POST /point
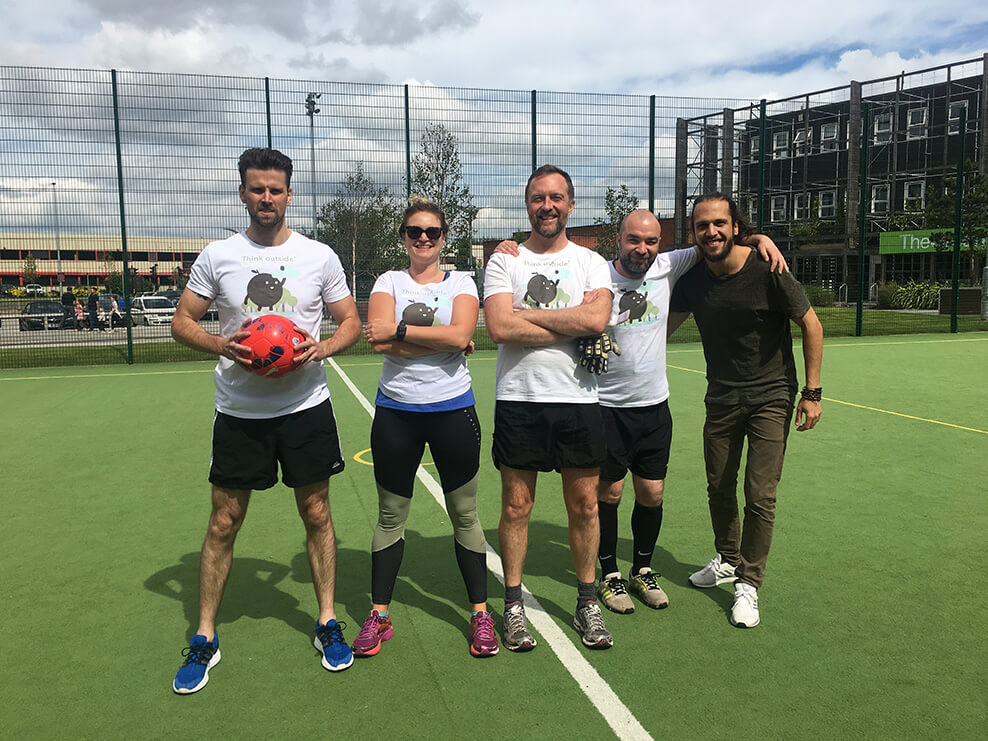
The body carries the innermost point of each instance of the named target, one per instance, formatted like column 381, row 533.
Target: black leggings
column 398, row 440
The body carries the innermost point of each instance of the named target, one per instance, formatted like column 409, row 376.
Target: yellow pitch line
column 907, row 416
column 873, row 409
column 827, row 344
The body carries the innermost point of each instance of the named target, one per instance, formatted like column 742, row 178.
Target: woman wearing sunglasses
column 422, row 320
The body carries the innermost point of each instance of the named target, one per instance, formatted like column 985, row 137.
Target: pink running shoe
column 374, row 630
column 483, row 639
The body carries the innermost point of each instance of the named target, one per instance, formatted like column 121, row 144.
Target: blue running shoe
column 200, row 657
column 336, row 655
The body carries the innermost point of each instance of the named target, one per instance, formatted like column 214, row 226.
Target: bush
column 915, row 295
column 885, row 293
column 818, row 295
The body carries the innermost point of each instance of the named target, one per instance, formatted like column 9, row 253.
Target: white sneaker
column 714, row 573
column 744, row 614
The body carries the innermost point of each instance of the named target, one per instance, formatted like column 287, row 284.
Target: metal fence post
column 859, row 309
column 762, row 137
column 267, row 108
column 535, row 160
column 123, row 218
column 651, row 154
column 408, row 150
column 955, row 278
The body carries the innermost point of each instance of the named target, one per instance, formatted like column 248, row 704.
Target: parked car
column 149, row 310
column 172, row 295
column 33, row 289
column 44, row 314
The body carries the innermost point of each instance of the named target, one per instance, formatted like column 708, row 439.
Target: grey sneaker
column 516, row 634
column 645, row 584
column 590, row 624
column 612, row 591
column 714, row 573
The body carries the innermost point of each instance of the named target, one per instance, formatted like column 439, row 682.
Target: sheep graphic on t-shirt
column 634, row 303
column 264, row 290
column 541, row 290
column 419, row 315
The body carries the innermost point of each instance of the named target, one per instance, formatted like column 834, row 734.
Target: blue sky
column 718, row 48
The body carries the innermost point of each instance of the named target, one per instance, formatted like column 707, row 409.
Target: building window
column 780, row 144
column 753, row 209
column 801, row 206
column 915, row 199
column 954, row 125
column 828, row 137
column 880, row 199
column 755, row 143
column 828, row 204
column 916, row 123
column 801, row 142
column 883, row 128
column 778, row 208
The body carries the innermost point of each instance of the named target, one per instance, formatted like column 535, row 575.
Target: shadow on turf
column 429, row 581
column 549, row 556
column 251, row 591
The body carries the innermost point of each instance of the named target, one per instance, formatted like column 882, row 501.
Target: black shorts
column 532, row 436
column 638, row 439
column 246, row 452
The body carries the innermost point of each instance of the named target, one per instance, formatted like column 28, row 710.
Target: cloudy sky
column 716, row 48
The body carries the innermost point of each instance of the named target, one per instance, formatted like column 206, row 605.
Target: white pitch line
column 608, row 704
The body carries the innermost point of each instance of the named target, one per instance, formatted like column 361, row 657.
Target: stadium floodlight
column 311, row 111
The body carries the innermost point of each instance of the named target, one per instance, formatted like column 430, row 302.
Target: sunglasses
column 432, row 232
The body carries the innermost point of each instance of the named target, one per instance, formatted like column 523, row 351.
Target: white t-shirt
column 246, row 279
column 639, row 316
column 555, row 280
column 430, row 378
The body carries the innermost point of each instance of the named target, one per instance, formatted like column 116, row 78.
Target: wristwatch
column 400, row 330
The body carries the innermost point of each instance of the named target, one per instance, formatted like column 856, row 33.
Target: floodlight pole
column 311, row 111
column 58, row 241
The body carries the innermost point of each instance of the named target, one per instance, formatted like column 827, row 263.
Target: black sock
column 608, row 515
column 584, row 593
column 645, row 525
column 512, row 595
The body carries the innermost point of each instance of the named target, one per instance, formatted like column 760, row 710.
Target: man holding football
column 261, row 423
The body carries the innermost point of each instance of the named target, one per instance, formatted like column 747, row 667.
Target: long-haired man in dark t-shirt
column 743, row 310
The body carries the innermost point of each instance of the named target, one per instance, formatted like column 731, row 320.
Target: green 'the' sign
column 916, row 242
column 908, row 243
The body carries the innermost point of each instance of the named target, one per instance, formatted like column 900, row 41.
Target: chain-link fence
column 117, row 180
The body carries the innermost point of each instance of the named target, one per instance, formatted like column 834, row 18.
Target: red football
column 272, row 342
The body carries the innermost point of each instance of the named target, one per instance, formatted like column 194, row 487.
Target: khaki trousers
column 766, row 428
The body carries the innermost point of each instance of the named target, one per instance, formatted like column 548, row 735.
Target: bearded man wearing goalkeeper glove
column 630, row 358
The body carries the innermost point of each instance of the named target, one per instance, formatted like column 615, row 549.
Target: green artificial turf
column 872, row 619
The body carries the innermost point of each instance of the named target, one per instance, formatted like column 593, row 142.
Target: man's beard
column 635, row 268
column 549, row 232
column 728, row 246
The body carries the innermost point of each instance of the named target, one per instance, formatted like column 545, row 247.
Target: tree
column 618, row 203
column 30, row 270
column 941, row 213
column 361, row 223
column 437, row 175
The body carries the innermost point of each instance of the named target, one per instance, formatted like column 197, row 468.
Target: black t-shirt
column 92, row 302
column 743, row 320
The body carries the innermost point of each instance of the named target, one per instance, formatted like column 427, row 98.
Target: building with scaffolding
column 798, row 167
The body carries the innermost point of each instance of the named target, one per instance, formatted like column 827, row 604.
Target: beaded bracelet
column 811, row 394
